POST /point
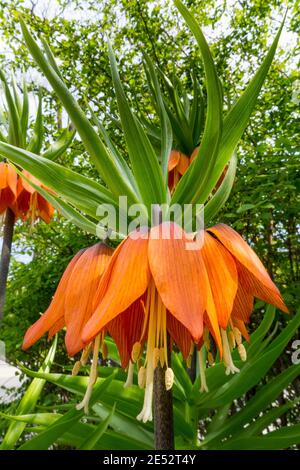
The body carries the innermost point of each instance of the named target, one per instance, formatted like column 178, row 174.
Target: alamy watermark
column 137, row 220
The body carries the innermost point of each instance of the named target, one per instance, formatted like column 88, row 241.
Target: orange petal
column 243, row 303
column 7, row 199
column 55, row 310
column 125, row 280
column 3, row 175
column 126, row 330
column 211, row 320
column 173, row 159
column 26, row 186
column 257, row 289
column 241, row 326
column 46, row 210
column 222, row 276
column 180, row 335
column 179, row 275
column 80, row 292
column 12, row 179
column 183, row 164
column 194, row 154
column 59, row 325
column 246, row 256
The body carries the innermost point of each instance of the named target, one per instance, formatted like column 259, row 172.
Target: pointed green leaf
column 28, row 401
column 235, row 122
column 15, row 135
column 58, row 148
column 96, row 435
column 262, row 399
column 220, row 197
column 166, row 130
column 44, row 440
column 193, row 183
column 25, row 112
column 103, row 160
column 143, row 158
column 36, row 142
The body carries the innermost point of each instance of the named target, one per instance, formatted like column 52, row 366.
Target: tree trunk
column 163, row 409
column 8, row 232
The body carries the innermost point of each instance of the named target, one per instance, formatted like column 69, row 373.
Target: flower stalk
column 8, row 232
column 163, row 408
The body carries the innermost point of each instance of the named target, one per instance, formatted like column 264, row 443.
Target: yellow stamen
column 157, row 357
column 237, row 335
column 93, row 377
column 202, row 366
column 206, row 339
column 161, row 357
column 142, row 377
column 210, row 358
column 230, row 367
column 169, row 378
column 83, row 360
column 231, row 339
column 242, row 352
column 76, row 368
column 136, row 351
column 129, row 380
column 157, row 349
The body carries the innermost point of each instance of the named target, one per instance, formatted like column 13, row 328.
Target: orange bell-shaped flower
column 30, row 204
column 8, row 187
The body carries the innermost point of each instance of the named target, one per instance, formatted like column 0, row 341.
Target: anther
column 242, row 352
column 169, row 378
column 136, row 351
column 142, row 377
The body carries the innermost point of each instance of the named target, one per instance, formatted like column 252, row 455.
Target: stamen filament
column 202, row 366
column 92, row 378
column 129, row 380
column 230, row 367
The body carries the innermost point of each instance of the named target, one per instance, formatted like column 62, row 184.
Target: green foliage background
column 263, row 206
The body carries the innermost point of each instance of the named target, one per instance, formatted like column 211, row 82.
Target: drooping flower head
column 188, row 294
column 19, row 196
column 30, row 204
column 72, row 304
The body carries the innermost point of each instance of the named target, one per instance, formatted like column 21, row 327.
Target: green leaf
column 276, row 440
column 166, row 129
column 28, row 401
column 235, row 122
column 196, row 117
column 44, row 440
column 106, row 165
column 39, row 419
column 25, row 112
column 217, row 201
column 268, row 418
column 70, row 213
column 262, row 399
column 193, row 183
column 244, row 208
column 82, row 192
column 15, row 134
column 58, row 148
column 36, row 142
column 143, row 158
column 127, row 425
column 253, row 369
column 91, row 440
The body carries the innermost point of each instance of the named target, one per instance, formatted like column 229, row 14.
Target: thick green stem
column 163, row 409
column 8, row 232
